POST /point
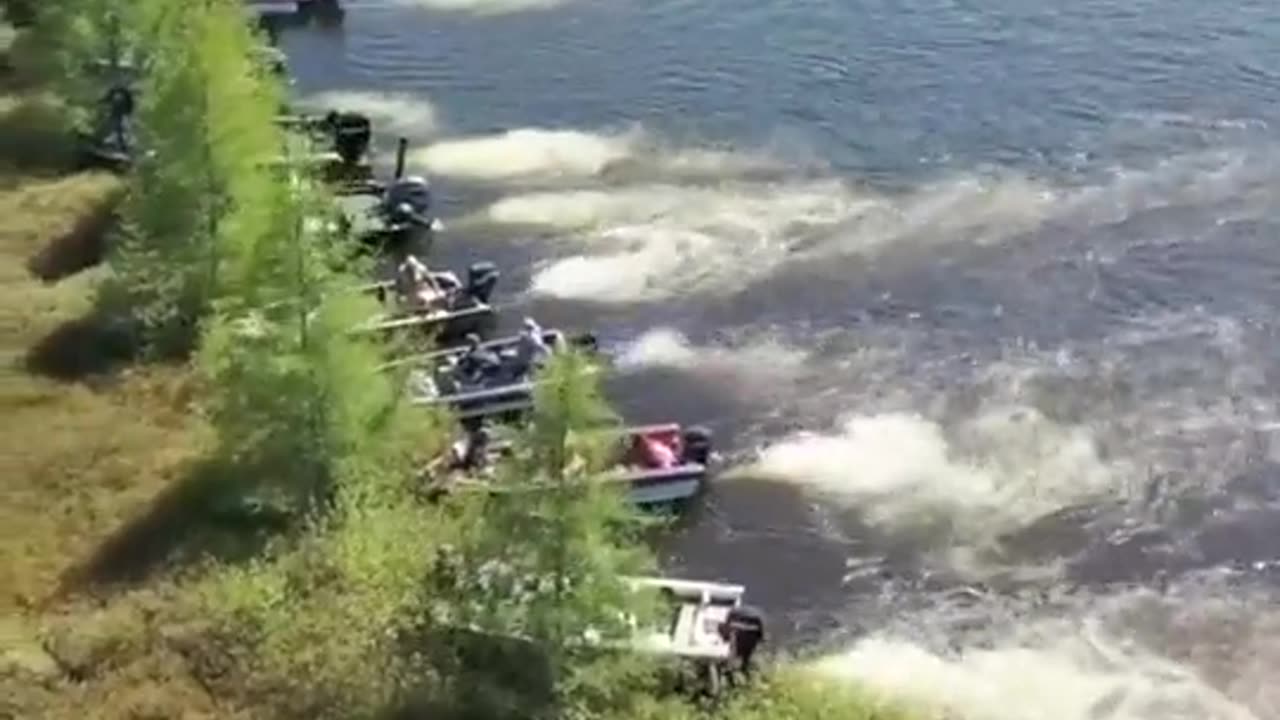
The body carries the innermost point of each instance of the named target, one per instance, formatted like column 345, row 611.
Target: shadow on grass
column 35, row 134
column 81, row 247
column 83, row 348
column 202, row 516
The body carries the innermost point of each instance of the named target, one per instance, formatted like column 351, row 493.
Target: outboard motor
column 413, row 192
column 352, row 134
column 482, row 278
column 119, row 101
column 697, row 445
column 586, row 342
column 745, row 629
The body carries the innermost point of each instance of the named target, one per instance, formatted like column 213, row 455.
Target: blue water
column 885, row 90
column 1044, row 232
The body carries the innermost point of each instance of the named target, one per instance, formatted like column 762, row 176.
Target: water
column 978, row 297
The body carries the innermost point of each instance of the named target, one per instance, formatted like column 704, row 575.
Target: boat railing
column 434, row 317
column 475, row 395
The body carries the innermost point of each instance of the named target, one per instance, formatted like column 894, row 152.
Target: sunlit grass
column 83, row 451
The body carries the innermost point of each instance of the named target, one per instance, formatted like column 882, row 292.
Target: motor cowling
column 744, row 628
column 482, row 278
column 414, row 192
column 586, row 342
column 120, row 103
column 352, row 135
column 697, row 445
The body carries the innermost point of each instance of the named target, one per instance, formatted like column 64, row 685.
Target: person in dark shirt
column 477, row 363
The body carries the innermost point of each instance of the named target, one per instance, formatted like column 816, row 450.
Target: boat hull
column 666, row 487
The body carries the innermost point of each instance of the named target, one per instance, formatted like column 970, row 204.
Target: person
column 476, row 362
column 471, row 455
column 656, row 454
column 531, row 349
column 416, row 285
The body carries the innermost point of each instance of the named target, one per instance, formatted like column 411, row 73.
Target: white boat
column 699, row 611
column 275, row 7
column 278, row 8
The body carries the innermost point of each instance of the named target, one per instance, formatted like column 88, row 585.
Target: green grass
column 86, row 448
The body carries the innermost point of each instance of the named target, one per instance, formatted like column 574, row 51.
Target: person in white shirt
column 418, row 289
column 531, row 349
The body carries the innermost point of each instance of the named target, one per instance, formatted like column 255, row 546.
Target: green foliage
column 545, row 561
column 786, row 693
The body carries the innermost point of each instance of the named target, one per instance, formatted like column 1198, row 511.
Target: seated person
column 418, row 289
column 477, row 363
column 655, row 454
column 469, row 452
column 531, row 350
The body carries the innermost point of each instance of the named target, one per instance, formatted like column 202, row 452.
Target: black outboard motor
column 482, row 278
column 744, row 628
column 697, row 445
column 120, row 103
column 352, row 134
column 586, row 342
column 408, row 197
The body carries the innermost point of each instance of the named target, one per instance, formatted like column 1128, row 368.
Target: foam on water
column 754, row 360
column 993, row 474
column 535, row 155
column 402, row 114
column 1204, row 647
column 747, row 229
column 717, row 235
column 524, row 153
column 486, row 7
column 1080, row 676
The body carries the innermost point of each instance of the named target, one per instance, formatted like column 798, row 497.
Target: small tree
column 545, row 558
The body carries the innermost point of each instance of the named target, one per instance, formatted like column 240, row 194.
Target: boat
column 501, row 390
column 345, row 163
column 648, row 483
column 695, row 611
column 392, row 215
column 505, row 345
column 463, row 309
column 110, row 145
column 701, row 624
column 706, row 624
column 286, row 9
